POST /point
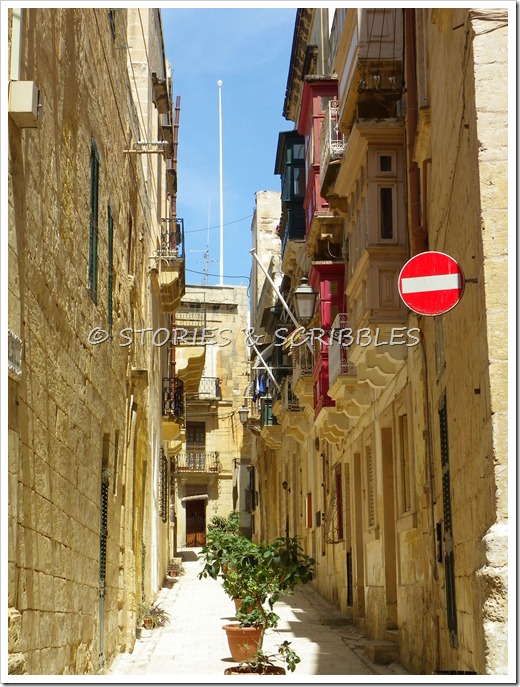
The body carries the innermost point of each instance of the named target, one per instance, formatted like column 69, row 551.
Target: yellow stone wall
column 72, row 406
column 399, row 584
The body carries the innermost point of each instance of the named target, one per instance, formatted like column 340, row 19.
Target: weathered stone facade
column 84, row 415
column 211, row 456
column 399, row 487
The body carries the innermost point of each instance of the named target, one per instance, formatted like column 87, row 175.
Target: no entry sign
column 431, row 283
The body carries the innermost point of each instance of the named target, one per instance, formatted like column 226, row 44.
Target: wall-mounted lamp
column 305, row 300
column 243, row 414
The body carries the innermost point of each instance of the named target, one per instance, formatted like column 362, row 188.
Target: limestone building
column 388, row 456
column 210, row 457
column 95, row 254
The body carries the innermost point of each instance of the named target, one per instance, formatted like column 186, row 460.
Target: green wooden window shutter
column 93, row 235
column 110, row 250
column 449, row 559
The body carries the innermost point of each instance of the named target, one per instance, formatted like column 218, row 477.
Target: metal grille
column 103, row 533
column 350, row 579
column 110, row 250
column 371, row 487
column 449, row 559
column 173, row 396
column 163, row 487
column 93, row 236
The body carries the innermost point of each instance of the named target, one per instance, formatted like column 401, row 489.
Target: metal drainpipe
column 419, row 236
column 16, row 45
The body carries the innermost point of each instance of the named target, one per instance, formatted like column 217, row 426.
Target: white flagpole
column 219, row 83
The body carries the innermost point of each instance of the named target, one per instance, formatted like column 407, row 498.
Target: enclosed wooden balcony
column 369, row 64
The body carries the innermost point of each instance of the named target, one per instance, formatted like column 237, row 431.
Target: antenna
column 205, row 257
column 219, row 84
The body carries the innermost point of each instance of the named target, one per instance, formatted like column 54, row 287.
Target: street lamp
column 243, row 414
column 305, row 300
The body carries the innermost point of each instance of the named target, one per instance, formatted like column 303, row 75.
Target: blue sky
column 249, row 50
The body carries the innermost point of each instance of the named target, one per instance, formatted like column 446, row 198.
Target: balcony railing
column 198, row 461
column 289, row 399
column 332, row 141
column 209, row 390
column 173, row 397
column 303, row 362
column 171, row 252
column 339, row 363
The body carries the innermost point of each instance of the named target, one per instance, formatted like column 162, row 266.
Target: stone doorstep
column 382, row 652
column 334, row 619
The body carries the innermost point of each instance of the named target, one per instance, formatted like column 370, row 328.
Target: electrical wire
column 226, row 276
column 217, row 226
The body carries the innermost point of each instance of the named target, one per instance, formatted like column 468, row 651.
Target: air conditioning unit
column 24, row 104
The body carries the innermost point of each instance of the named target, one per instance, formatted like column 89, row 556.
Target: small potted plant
column 263, row 664
column 257, row 574
column 153, row 616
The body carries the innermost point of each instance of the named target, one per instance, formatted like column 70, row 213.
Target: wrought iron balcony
column 332, row 144
column 171, row 252
column 209, row 390
column 288, row 398
column 339, row 364
column 303, row 362
column 173, row 398
column 198, row 461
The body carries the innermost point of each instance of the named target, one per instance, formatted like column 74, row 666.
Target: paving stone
column 194, row 644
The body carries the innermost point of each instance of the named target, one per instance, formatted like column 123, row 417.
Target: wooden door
column 196, row 522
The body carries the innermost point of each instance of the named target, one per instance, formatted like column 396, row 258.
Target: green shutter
column 449, row 558
column 110, row 269
column 93, row 235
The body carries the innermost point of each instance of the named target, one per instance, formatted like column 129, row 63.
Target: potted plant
column 257, row 574
column 263, row 664
column 153, row 616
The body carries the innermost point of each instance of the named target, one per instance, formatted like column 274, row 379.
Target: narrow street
column 195, row 645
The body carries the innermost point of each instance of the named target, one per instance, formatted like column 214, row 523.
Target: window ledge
column 407, row 522
column 372, row 534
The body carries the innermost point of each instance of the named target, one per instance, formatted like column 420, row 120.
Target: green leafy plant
column 261, row 660
column 158, row 615
column 256, row 573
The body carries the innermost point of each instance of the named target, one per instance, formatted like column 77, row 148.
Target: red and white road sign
column 431, row 283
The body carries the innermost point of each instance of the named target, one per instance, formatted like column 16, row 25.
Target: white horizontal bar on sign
column 434, row 282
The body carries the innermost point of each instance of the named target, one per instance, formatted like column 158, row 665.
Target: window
column 309, row 511
column 195, row 445
column 386, row 224
column 299, row 181
column 298, row 151
column 93, row 236
column 404, row 457
column 385, row 163
column 110, row 251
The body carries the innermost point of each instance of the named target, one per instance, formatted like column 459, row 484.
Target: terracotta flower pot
column 243, row 641
column 147, row 623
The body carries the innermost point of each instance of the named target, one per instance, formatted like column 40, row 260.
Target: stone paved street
column 195, row 646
